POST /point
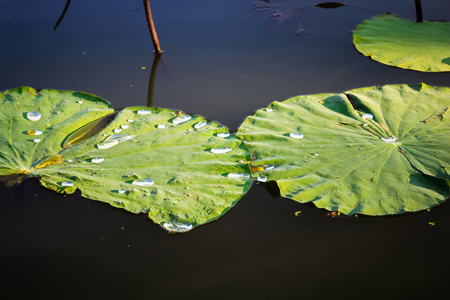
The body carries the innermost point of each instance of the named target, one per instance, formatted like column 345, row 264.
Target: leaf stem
column 419, row 17
column 151, row 26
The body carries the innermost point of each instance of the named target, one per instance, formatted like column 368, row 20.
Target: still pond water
column 223, row 60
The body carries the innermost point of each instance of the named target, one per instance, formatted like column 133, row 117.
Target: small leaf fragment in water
column 34, row 132
column 33, row 116
column 143, row 182
column 432, row 223
column 239, row 175
column 219, row 150
column 178, row 226
column 330, row 4
column 297, row 213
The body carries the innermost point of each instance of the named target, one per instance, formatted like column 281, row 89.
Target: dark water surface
column 223, row 60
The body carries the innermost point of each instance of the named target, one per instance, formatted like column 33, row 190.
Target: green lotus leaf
column 375, row 151
column 182, row 170
column 420, row 46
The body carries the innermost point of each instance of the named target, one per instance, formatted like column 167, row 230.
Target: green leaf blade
column 353, row 160
column 420, row 46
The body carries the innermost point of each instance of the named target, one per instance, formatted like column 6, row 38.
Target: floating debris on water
column 389, row 139
column 223, row 134
column 178, row 226
column 181, row 119
column 367, row 116
column 97, row 160
column 200, row 125
column 34, row 132
column 33, row 116
column 219, row 150
column 144, row 112
column 67, row 183
column 114, row 140
column 296, row 135
column 143, row 182
column 239, row 175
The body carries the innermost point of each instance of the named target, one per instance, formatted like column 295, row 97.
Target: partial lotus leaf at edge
column 375, row 151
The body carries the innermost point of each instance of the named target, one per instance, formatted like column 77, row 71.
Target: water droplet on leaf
column 33, row 116
column 178, row 226
column 97, row 160
column 36, row 140
column 223, row 134
column 67, row 183
column 114, row 140
column 389, row 139
column 181, row 119
column 117, row 130
column 160, row 126
column 200, row 125
column 143, row 182
column 144, row 112
column 122, row 191
column 261, row 178
column 367, row 116
column 296, row 135
column 219, row 150
column 34, row 132
column 124, row 126
column 239, row 175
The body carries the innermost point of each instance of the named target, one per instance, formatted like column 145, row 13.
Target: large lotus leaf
column 28, row 117
column 376, row 151
column 182, row 170
column 420, row 46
